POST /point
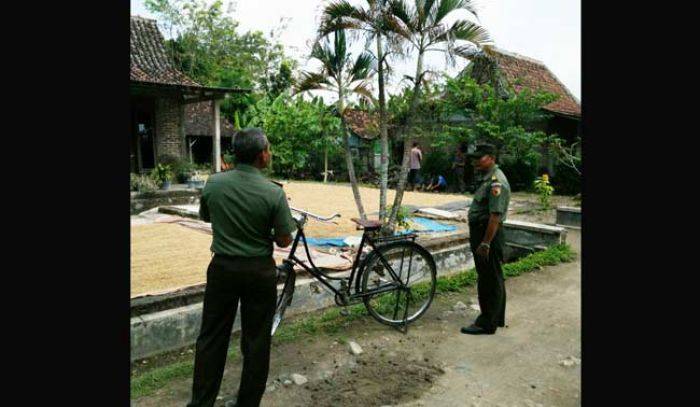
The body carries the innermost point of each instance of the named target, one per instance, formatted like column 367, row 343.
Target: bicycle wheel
column 286, row 275
column 415, row 267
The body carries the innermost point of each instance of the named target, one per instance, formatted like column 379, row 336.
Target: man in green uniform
column 247, row 212
column 486, row 216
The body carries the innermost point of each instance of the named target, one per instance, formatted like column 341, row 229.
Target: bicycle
column 392, row 295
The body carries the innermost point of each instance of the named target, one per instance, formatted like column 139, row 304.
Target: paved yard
column 168, row 256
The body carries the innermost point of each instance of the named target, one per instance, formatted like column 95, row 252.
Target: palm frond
column 399, row 10
column 312, row 81
column 460, row 30
column 445, row 7
column 324, row 54
column 364, row 90
column 340, row 49
column 361, row 68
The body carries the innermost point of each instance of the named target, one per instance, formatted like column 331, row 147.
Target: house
column 523, row 72
column 199, row 132
column 159, row 97
column 364, row 138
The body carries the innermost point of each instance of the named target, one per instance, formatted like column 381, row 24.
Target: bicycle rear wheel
column 415, row 267
column 286, row 275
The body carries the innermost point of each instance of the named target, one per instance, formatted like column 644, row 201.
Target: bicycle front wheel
column 286, row 275
column 399, row 303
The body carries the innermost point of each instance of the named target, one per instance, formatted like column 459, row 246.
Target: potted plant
column 163, row 175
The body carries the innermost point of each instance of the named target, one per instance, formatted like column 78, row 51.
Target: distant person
column 247, row 212
column 458, row 166
column 437, row 184
column 415, row 161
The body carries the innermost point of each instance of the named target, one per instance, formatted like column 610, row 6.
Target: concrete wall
column 169, row 126
column 172, row 329
column 568, row 216
column 143, row 202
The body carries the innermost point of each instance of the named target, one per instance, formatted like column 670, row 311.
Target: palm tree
column 421, row 25
column 340, row 74
column 375, row 23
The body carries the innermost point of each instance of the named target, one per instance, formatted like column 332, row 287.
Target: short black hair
column 415, row 144
column 248, row 144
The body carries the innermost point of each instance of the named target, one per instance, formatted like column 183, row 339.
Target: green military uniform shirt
column 492, row 195
column 244, row 207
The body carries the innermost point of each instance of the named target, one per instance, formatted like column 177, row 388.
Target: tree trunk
column 325, row 165
column 348, row 157
column 407, row 144
column 383, row 136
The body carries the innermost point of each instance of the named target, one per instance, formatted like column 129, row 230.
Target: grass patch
column 330, row 321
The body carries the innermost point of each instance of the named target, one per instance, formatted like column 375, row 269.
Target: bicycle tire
column 286, row 273
column 371, row 266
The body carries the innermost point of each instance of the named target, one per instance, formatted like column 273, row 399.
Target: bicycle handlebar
column 313, row 215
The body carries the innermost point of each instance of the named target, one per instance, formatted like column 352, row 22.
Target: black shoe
column 477, row 330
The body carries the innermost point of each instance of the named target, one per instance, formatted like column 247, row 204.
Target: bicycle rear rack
column 388, row 239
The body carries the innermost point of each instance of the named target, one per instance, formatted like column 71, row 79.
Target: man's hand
column 284, row 240
column 483, row 251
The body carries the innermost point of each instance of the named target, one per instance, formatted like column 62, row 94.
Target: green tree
column 343, row 76
column 295, row 128
column 422, row 26
column 206, row 45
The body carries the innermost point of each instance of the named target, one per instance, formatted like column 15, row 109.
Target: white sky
column 547, row 30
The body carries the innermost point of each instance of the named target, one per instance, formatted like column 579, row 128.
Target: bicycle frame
column 325, row 280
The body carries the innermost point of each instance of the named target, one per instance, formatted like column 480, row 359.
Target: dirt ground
column 169, row 256
column 534, row 361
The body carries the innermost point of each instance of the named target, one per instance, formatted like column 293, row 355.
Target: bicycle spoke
column 413, row 295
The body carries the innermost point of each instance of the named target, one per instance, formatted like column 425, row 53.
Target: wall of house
column 169, row 128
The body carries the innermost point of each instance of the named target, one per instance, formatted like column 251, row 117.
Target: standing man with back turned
column 415, row 161
column 486, row 216
column 247, row 212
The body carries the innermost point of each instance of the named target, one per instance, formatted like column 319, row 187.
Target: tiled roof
column 198, row 121
column 523, row 72
column 149, row 59
column 362, row 123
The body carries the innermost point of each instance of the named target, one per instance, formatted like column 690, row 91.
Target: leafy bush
column 143, row 183
column 401, row 216
column 521, row 172
column 183, row 170
column 544, row 190
column 435, row 163
column 566, row 180
column 162, row 173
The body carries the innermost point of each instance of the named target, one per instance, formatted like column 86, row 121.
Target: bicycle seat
column 368, row 224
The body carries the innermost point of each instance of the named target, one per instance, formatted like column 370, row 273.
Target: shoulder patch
column 496, row 189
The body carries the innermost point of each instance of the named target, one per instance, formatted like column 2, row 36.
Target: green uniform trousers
column 253, row 281
column 491, row 287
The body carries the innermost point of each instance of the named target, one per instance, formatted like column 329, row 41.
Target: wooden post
column 216, row 142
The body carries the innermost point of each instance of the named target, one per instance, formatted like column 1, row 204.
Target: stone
column 355, row 348
column 299, row 379
column 459, row 306
column 570, row 361
column 475, row 307
column 287, row 382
